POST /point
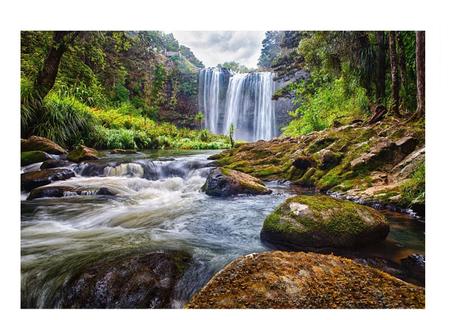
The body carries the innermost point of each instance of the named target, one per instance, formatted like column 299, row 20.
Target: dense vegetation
column 350, row 74
column 111, row 90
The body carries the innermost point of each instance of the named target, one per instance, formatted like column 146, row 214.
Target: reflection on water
column 63, row 235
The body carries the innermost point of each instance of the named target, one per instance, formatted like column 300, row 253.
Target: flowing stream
column 159, row 205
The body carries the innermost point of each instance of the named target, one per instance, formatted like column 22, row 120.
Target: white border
column 431, row 16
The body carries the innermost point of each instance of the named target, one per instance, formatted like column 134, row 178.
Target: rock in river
column 29, row 157
column 320, row 221
column 31, row 180
column 307, row 281
column 35, row 143
column 62, row 191
column 49, row 164
column 136, row 281
column 82, row 153
column 222, row 182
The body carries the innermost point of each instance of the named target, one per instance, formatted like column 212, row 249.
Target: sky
column 214, row 47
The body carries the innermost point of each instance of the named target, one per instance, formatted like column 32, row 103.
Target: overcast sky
column 214, row 47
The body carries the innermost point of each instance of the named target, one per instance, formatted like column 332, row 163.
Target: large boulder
column 63, row 191
column 321, row 221
column 136, row 281
column 35, row 143
column 223, row 182
column 29, row 157
column 304, row 281
column 82, row 153
column 31, row 180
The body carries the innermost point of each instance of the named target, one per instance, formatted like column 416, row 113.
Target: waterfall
column 243, row 100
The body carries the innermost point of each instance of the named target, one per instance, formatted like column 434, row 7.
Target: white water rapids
column 158, row 206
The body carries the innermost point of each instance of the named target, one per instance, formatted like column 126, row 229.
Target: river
column 159, row 205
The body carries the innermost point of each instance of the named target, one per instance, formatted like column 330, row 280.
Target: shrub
column 64, row 120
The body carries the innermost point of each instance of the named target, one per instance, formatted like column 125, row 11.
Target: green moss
column 335, row 218
column 344, row 219
column 320, row 144
column 413, row 189
column 29, row 157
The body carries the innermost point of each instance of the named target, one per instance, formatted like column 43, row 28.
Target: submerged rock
column 307, row 281
column 35, row 143
column 31, row 180
column 223, row 182
column 137, row 281
column 63, row 191
column 29, row 157
column 82, row 153
column 323, row 222
column 123, row 151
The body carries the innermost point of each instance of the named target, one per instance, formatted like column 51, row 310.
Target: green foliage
column 414, row 188
column 329, row 103
column 235, row 66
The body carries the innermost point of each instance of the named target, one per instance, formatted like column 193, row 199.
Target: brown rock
column 305, row 281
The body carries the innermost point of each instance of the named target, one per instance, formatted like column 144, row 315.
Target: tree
column 47, row 75
column 234, row 66
column 395, row 81
column 381, row 67
column 270, row 48
column 420, row 70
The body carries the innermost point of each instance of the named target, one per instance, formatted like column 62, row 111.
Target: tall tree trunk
column 47, row 76
column 420, row 71
column 395, row 85
column 401, row 60
column 381, row 67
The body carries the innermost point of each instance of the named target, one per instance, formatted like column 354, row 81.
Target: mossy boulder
column 29, row 157
column 304, row 281
column 36, row 143
column 83, row 153
column 223, row 182
column 142, row 280
column 31, row 180
column 323, row 222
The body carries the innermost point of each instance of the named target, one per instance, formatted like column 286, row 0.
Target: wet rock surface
column 144, row 280
column 31, row 180
column 65, row 191
column 50, row 164
column 29, row 157
column 36, row 143
column 414, row 266
column 83, row 153
column 226, row 182
column 304, row 280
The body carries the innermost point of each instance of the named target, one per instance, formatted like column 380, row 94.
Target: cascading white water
column 243, row 100
column 209, row 98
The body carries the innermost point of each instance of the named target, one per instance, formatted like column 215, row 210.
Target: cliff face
column 287, row 67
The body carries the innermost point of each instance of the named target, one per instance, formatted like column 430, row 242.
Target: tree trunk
column 401, row 60
column 395, row 85
column 420, row 71
column 47, row 76
column 381, row 67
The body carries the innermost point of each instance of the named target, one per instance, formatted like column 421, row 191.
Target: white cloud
column 214, row 47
